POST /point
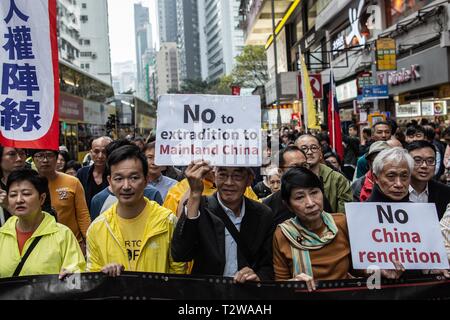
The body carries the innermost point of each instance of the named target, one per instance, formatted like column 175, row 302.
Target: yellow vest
column 105, row 243
column 57, row 249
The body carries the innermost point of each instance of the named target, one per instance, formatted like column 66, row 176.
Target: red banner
column 29, row 74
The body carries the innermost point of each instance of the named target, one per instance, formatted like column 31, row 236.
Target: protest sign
column 225, row 130
column 29, row 74
column 405, row 232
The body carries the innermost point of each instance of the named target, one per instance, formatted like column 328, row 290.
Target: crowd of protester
column 119, row 211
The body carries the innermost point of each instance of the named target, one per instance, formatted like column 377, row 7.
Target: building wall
column 224, row 39
column 141, row 22
column 167, row 20
column 95, row 57
column 167, row 67
column 188, row 39
column 69, row 26
column 124, row 76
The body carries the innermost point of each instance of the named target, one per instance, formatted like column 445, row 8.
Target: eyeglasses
column 302, row 165
column 15, row 154
column 48, row 155
column 418, row 135
column 429, row 161
column 314, row 148
column 222, row 176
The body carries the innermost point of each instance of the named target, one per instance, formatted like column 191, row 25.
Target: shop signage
column 346, row 114
column 70, row 107
column 338, row 44
column 347, row 91
column 375, row 92
column 316, row 86
column 405, row 75
column 354, row 15
column 361, row 21
column 386, row 54
column 235, row 90
column 364, row 79
column 407, row 110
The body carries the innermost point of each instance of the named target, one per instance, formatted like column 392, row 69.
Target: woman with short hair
column 314, row 245
column 52, row 247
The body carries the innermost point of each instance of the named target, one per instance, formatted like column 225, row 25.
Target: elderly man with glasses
column 422, row 186
column 336, row 186
column 66, row 193
column 226, row 234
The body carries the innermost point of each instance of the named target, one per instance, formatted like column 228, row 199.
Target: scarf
column 367, row 187
column 302, row 240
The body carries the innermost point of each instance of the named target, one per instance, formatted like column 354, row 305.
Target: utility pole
column 373, row 54
column 277, row 89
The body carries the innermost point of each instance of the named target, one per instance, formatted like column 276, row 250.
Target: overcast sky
column 121, row 28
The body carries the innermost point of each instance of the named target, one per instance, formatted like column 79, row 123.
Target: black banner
column 152, row 286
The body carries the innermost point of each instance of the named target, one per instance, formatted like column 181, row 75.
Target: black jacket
column 203, row 239
column 439, row 194
column 378, row 196
column 261, row 190
column 87, row 181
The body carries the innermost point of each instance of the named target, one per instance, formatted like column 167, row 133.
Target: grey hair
column 395, row 155
column 272, row 171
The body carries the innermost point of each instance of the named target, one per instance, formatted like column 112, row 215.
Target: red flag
column 334, row 122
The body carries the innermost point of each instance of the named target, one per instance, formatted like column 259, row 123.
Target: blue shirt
column 103, row 200
column 231, row 259
column 163, row 184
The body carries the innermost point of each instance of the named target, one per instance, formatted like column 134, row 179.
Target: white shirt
column 414, row 196
column 231, row 259
column 445, row 228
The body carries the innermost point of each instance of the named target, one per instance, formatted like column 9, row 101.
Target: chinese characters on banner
column 29, row 88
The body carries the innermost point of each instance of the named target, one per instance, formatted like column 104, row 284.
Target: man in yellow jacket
column 135, row 233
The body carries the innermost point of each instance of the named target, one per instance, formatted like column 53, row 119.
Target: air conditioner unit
column 94, row 56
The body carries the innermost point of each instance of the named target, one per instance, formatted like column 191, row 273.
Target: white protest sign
column 406, row 232
column 225, row 130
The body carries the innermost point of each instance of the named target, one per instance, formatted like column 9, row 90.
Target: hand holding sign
column 195, row 173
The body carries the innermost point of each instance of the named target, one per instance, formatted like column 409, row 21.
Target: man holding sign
column 391, row 228
column 225, row 234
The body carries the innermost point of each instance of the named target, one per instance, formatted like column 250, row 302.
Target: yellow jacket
column 177, row 192
column 57, row 249
column 105, row 243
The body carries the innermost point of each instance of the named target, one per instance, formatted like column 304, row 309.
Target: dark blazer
column 87, row 181
column 439, row 194
column 203, row 239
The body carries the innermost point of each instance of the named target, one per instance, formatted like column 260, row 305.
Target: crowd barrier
column 152, row 286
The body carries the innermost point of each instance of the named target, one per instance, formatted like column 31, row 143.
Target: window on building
column 84, row 18
column 84, row 5
column 87, row 65
column 87, row 42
